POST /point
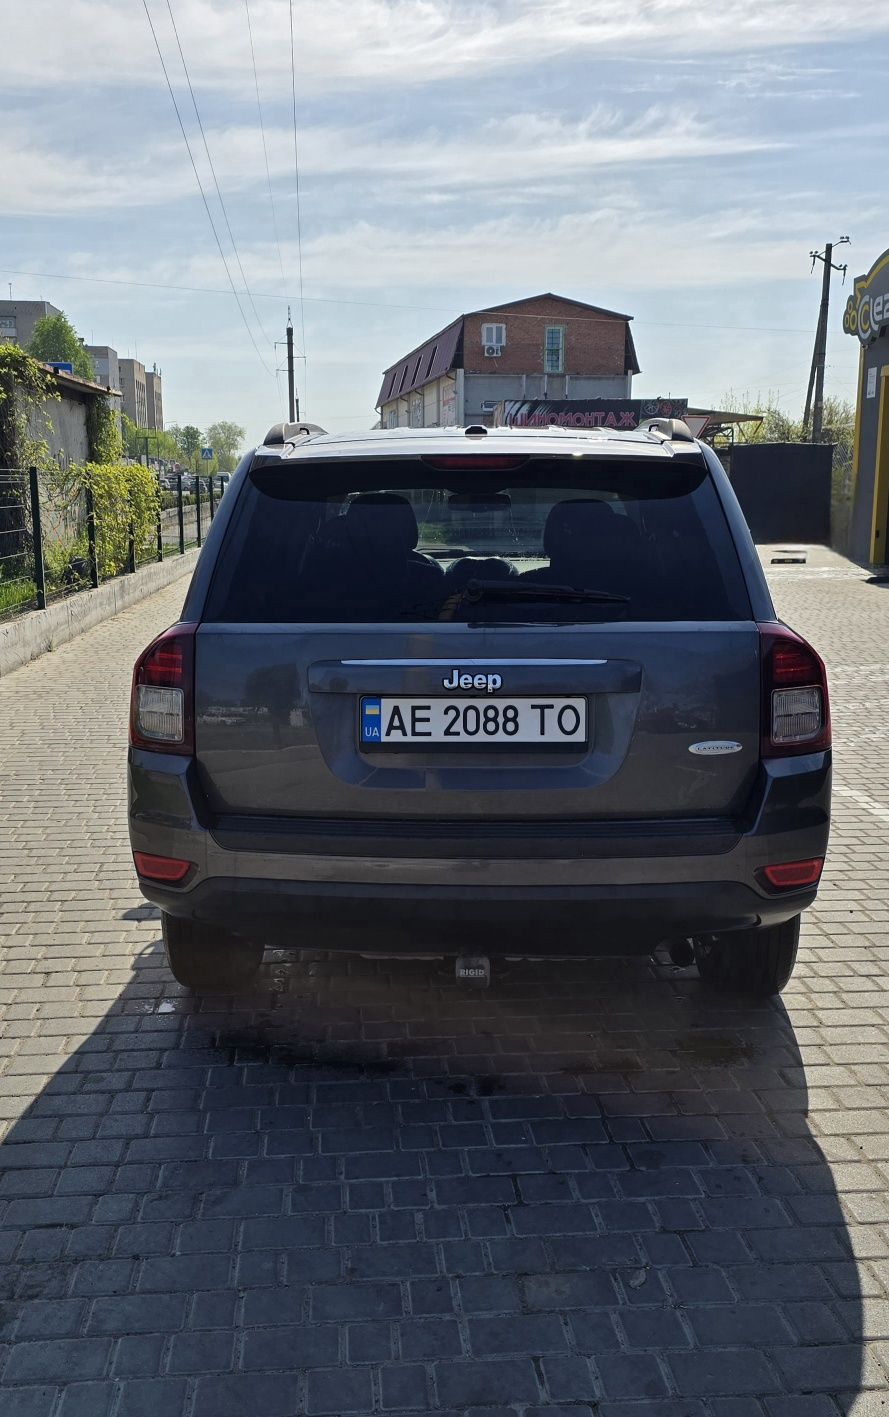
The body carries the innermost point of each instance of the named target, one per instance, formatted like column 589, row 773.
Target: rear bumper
column 540, row 919
column 595, row 894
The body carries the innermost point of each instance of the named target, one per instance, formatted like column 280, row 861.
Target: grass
column 16, row 595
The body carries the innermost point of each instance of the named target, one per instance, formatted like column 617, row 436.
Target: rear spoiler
column 281, row 433
column 670, row 430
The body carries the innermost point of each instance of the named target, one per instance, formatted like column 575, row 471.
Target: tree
column 149, row 442
column 777, row 426
column 225, row 439
column 189, row 439
column 55, row 338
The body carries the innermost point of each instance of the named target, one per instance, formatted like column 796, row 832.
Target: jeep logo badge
column 490, row 683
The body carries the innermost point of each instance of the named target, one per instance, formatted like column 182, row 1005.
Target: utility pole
column 292, row 402
column 815, row 408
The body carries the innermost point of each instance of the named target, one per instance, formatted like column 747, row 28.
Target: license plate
column 413, row 723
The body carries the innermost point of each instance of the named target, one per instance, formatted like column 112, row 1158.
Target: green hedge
column 124, row 495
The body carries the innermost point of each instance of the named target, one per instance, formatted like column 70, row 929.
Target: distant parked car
column 481, row 691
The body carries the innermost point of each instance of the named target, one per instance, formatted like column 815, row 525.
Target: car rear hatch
column 477, row 640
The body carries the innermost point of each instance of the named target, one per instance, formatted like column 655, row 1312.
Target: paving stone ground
column 593, row 1189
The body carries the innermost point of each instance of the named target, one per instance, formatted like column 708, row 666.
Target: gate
column 784, row 489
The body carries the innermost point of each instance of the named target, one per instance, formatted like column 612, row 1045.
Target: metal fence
column 842, row 488
column 49, row 542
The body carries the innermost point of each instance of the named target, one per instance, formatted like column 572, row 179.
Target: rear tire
column 758, row 962
column 208, row 958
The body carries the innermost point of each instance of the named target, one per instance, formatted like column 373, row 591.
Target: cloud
column 353, row 44
column 623, row 241
column 760, row 77
column 529, row 153
column 39, row 180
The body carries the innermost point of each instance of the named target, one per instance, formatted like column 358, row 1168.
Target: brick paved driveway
column 366, row 1190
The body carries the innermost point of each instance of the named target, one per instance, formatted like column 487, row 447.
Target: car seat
column 590, row 545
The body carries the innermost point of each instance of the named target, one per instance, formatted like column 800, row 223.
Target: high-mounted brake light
column 162, row 702
column 476, row 462
column 795, row 703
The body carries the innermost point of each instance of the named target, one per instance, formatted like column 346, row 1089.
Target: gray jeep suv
column 480, row 691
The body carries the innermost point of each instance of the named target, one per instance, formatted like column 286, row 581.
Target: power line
column 228, row 227
column 202, row 192
column 299, row 235
column 395, row 305
column 265, row 151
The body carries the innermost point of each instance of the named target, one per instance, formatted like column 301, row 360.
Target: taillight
column 162, row 703
column 795, row 704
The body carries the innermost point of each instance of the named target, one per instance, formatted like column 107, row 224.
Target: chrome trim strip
column 457, row 660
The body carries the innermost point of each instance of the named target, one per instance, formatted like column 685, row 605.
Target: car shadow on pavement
column 591, row 1188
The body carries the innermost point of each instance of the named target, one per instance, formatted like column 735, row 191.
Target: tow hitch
column 474, row 969
column 682, row 953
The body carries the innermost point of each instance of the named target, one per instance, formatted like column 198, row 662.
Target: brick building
column 544, row 347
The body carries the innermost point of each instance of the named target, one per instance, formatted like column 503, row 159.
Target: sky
column 674, row 160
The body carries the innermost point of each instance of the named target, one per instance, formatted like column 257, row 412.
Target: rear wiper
column 477, row 591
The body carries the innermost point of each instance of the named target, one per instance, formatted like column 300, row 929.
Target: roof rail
column 672, row 430
column 287, row 432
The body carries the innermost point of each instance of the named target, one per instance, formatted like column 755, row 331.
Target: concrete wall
column 62, row 422
column 492, row 388
column 39, row 631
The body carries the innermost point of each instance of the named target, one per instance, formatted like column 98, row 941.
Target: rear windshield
column 552, row 541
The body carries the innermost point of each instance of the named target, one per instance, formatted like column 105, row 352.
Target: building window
column 431, row 361
column 554, row 350
column 494, row 334
column 392, row 418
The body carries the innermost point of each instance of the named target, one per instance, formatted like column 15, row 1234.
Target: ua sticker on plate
column 371, row 713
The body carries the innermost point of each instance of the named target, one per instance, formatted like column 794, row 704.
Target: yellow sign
column 867, row 309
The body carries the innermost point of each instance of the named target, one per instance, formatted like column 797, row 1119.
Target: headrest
column 575, row 530
column 381, row 523
column 482, row 568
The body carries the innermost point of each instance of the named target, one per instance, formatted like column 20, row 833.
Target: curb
column 38, row 631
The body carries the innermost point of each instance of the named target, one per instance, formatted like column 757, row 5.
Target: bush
column 125, row 495
column 66, row 564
